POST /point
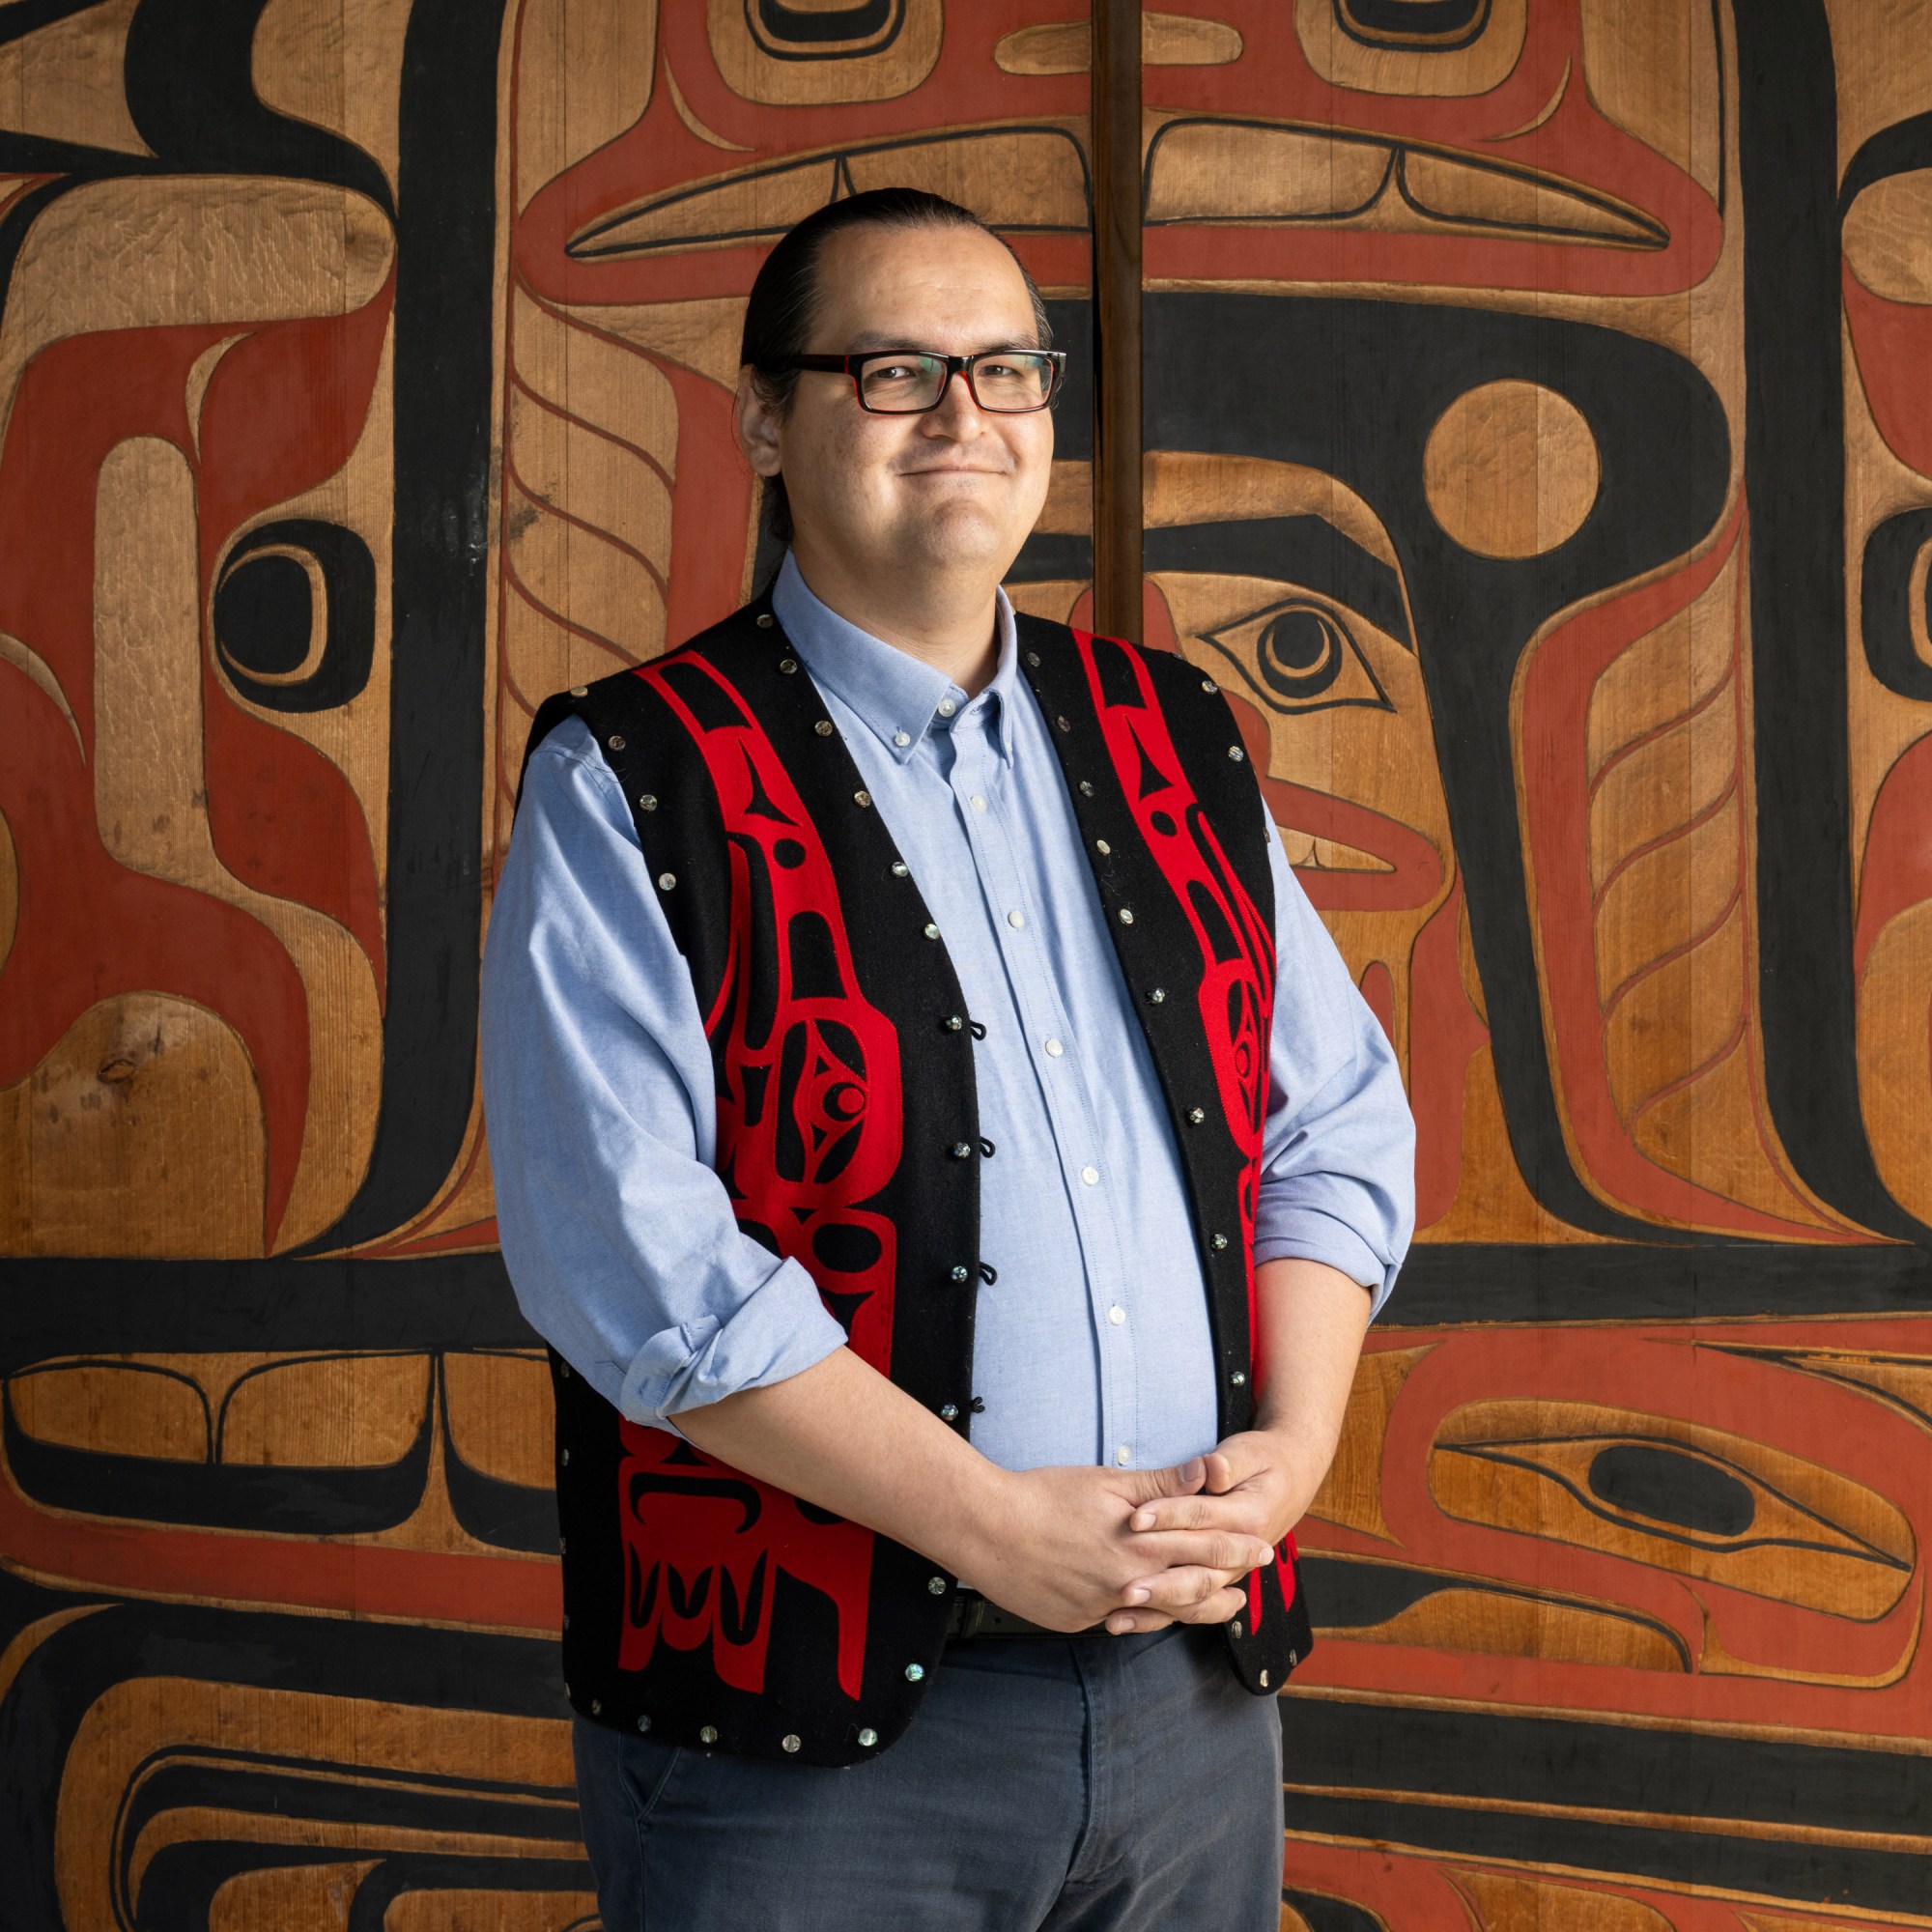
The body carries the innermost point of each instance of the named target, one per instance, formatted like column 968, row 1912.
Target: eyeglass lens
column 1001, row 382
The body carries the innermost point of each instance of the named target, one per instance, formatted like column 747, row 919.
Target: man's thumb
column 1182, row 1480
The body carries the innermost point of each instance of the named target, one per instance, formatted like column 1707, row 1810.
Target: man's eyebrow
column 872, row 338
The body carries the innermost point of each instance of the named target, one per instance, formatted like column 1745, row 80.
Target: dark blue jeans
column 1097, row 1785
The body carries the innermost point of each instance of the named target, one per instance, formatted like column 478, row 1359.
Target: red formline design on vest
column 1236, row 997
column 799, row 1146
column 1237, row 961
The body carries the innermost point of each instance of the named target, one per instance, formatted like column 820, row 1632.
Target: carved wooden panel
column 365, row 373
column 1531, row 454
column 1537, row 448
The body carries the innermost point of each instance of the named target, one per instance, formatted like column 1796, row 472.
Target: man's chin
column 955, row 536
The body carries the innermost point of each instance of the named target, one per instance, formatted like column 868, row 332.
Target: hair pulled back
column 784, row 301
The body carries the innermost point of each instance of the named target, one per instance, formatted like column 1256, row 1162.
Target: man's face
column 954, row 486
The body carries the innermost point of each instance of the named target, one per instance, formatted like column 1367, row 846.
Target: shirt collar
column 895, row 694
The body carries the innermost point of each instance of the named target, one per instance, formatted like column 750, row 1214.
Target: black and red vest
column 709, row 1609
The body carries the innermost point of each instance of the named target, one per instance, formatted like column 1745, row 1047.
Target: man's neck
column 946, row 623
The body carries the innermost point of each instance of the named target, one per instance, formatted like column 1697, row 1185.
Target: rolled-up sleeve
column 598, row 1091
column 1338, row 1144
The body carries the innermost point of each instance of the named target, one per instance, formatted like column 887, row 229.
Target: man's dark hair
column 783, row 306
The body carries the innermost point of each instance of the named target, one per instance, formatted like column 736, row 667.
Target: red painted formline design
column 286, row 1573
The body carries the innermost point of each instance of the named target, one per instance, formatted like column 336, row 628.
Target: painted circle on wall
column 1511, row 469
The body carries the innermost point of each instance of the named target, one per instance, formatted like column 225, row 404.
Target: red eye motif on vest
column 799, row 1147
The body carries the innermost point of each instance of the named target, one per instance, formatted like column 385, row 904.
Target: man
column 954, row 1170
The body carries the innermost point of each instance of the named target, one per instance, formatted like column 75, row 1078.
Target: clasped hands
column 1142, row 1548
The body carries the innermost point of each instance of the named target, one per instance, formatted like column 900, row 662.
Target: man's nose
column 956, row 413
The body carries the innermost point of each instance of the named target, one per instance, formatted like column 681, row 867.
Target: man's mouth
column 952, row 469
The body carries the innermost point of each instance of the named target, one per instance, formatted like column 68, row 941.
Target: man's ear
column 755, row 426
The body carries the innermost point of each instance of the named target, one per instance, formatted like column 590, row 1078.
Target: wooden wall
column 1537, row 445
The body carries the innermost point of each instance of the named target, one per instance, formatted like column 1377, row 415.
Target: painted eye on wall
column 294, row 615
column 1680, row 1495
column 1299, row 655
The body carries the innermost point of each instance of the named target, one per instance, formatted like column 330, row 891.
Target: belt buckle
column 969, row 1614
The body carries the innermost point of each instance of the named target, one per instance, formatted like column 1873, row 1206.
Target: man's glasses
column 908, row 381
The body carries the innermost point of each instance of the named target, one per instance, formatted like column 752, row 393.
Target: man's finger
column 1244, row 1514
column 1185, row 1583
column 1131, row 1622
column 1179, row 1512
column 1218, row 1609
column 1179, row 1589
column 1238, row 1552
column 1208, row 1598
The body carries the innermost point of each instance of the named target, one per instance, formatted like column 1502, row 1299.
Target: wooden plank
column 1117, row 305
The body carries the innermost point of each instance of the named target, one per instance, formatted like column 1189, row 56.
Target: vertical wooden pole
column 1116, row 317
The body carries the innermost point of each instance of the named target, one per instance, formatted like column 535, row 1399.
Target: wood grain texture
column 1518, row 407
column 64, row 80
column 1118, row 435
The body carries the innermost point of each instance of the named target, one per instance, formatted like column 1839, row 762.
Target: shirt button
column 947, row 707
column 1124, row 1455
column 979, row 803
column 902, row 738
column 1053, row 1047
column 1090, row 1176
column 1116, row 1315
column 1016, row 919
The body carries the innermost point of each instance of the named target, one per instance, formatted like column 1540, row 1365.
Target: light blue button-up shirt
column 1092, row 1346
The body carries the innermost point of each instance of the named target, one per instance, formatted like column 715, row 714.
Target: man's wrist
column 976, row 1527
column 1292, row 1434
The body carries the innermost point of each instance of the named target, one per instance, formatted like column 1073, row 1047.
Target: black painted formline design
column 265, row 615
column 580, row 246
column 1647, row 231
column 1795, row 485
column 1655, row 1526
column 1892, row 650
column 1323, row 1913
column 1444, row 1284
column 853, row 32
column 445, row 255
column 191, row 97
column 190, row 94
column 1307, row 551
column 1478, row 1783
column 1352, row 388
column 1423, row 26
column 1900, row 149
column 59, row 1307
column 64, row 1676
column 1355, row 1593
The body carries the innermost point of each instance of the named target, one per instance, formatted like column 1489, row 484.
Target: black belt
column 974, row 1615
